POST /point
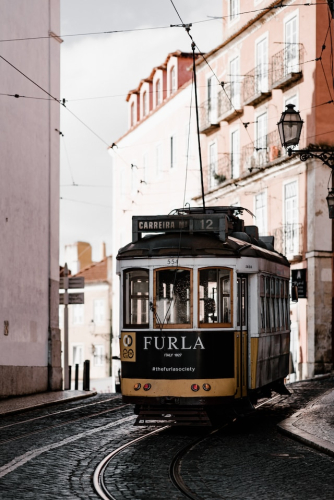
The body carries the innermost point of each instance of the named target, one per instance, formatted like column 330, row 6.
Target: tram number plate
column 206, row 224
column 172, row 262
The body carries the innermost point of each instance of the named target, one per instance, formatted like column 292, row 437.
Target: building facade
column 268, row 59
column 30, row 350
column 89, row 324
column 155, row 164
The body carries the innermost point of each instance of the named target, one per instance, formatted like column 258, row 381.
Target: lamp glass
column 330, row 203
column 290, row 126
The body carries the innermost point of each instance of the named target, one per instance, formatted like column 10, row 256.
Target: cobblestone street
column 52, row 453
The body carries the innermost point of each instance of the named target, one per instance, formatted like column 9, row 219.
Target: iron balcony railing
column 229, row 100
column 262, row 151
column 289, row 239
column 226, row 168
column 287, row 64
column 208, row 115
column 256, row 83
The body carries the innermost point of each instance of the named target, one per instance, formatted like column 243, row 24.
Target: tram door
column 241, row 337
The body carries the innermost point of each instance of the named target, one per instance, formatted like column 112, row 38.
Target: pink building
column 155, row 164
column 268, row 59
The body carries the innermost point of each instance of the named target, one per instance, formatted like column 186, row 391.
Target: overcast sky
column 97, row 71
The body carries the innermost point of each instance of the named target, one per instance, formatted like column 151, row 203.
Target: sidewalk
column 314, row 425
column 25, row 403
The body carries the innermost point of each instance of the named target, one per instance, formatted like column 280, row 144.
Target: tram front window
column 136, row 298
column 172, row 297
column 215, row 297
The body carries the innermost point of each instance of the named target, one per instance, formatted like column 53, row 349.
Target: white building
column 155, row 164
column 29, row 199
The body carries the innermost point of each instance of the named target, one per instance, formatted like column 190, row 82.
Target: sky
column 97, row 71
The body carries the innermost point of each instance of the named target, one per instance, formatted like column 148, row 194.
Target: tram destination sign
column 199, row 223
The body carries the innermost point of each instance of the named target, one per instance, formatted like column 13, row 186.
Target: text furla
column 178, row 343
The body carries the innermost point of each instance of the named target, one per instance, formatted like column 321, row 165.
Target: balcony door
column 291, row 47
column 291, row 227
column 211, row 100
column 261, row 76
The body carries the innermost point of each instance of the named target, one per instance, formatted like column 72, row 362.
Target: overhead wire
column 62, row 103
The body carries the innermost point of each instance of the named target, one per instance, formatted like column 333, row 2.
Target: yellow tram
column 205, row 316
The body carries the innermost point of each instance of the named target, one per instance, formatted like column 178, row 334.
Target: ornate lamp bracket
column 326, row 156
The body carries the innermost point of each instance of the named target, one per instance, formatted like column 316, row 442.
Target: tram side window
column 215, row 307
column 172, row 297
column 136, row 285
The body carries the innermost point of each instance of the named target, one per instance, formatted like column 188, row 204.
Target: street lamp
column 290, row 126
column 330, row 203
column 289, row 129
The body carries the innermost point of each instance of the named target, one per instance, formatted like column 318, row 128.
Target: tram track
column 62, row 424
column 175, row 464
column 57, row 413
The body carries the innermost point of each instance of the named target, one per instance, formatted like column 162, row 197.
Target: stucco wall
column 29, row 199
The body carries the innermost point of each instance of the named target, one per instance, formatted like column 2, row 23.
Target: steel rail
column 110, row 410
column 174, row 468
column 54, row 413
column 98, row 478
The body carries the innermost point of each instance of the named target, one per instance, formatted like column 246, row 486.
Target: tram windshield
column 215, row 297
column 136, row 298
column 172, row 297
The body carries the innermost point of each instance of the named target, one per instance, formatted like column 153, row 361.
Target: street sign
column 298, row 279
column 71, row 298
column 75, row 282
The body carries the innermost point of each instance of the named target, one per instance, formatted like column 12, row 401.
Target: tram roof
column 237, row 244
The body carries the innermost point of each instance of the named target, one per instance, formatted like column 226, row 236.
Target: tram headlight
column 207, row 387
column 147, row 387
column 137, row 386
column 195, row 387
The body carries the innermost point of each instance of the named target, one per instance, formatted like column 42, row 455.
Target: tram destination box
column 197, row 223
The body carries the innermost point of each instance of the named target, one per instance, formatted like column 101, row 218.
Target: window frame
column 191, row 298
column 134, row 325
column 216, row 325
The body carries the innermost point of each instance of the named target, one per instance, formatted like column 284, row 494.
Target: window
column 158, row 158
column 98, row 355
column 212, row 165
column 274, row 311
column 211, row 101
column 234, row 10
column 172, row 82
column 172, row 298
column 132, row 114
column 77, row 355
column 158, row 92
column 144, row 103
column 136, row 286
column 172, row 152
column 235, row 86
column 78, row 314
column 261, row 139
column 99, row 311
column 261, row 213
column 145, row 167
column 261, row 66
column 215, row 297
column 291, row 51
column 291, row 228
column 235, row 155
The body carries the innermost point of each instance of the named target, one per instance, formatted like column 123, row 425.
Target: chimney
column 103, row 251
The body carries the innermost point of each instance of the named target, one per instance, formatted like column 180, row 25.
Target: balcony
column 287, row 66
column 222, row 170
column 255, row 86
column 289, row 241
column 262, row 151
column 229, row 102
column 208, row 120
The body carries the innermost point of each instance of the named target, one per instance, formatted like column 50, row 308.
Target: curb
column 48, row 403
column 290, row 429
